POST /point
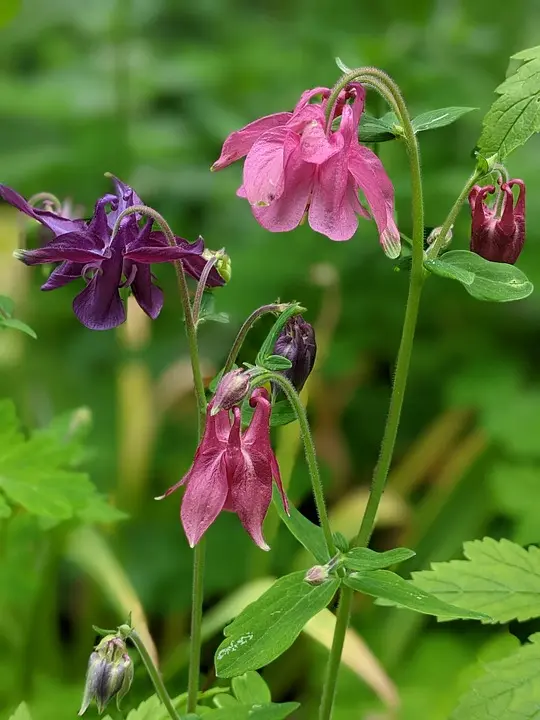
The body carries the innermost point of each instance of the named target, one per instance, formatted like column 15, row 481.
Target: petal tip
column 391, row 245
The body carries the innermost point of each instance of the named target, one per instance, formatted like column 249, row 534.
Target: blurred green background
column 148, row 90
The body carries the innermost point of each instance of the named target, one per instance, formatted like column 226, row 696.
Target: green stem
column 246, row 327
column 196, row 623
column 201, row 287
column 391, row 92
column 154, row 674
column 435, row 249
column 309, row 449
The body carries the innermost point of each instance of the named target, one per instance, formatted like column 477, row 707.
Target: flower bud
column 498, row 231
column 109, row 673
column 232, row 389
column 297, row 343
column 317, row 575
column 223, row 262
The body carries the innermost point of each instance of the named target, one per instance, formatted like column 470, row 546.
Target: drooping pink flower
column 294, row 165
column 232, row 470
column 498, row 234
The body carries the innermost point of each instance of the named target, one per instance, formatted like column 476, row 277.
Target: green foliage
column 362, row 559
column 393, row 589
column 515, row 114
column 277, row 362
column 439, row 118
column 307, row 533
column 498, row 578
column 34, row 474
column 282, row 413
column 270, row 625
column 251, row 689
column 484, row 280
column 268, row 711
column 21, row 713
column 509, row 688
column 376, row 130
column 515, row 492
column 6, row 312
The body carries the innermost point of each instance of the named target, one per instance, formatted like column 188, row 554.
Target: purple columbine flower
column 498, row 234
column 87, row 249
column 232, row 470
column 297, row 343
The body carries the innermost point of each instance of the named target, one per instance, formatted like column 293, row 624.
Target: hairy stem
column 154, row 674
column 452, row 215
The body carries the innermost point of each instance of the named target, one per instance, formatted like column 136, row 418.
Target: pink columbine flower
column 296, row 164
column 498, row 235
column 232, row 470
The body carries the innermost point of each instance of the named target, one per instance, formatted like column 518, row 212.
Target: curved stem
column 452, row 215
column 246, row 327
column 46, row 198
column 154, row 674
column 201, row 286
column 309, row 449
column 387, row 87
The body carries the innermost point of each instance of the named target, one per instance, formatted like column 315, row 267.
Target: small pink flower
column 498, row 235
column 295, row 165
column 232, row 470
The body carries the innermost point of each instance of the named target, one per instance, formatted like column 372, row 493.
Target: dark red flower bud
column 498, row 231
column 232, row 389
column 297, row 343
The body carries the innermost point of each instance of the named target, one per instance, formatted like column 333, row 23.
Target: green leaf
column 21, row 713
column 5, row 510
column 397, row 591
column 376, row 130
column 277, row 362
column 17, row 325
column 439, row 118
column 509, row 690
column 515, row 114
column 282, row 413
column 208, row 312
column 307, row 533
column 364, row 559
column 251, row 689
column 268, row 711
column 270, row 625
column 147, row 710
column 6, row 305
column 499, row 578
column 484, row 280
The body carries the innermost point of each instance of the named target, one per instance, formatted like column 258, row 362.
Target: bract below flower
column 87, row 249
column 498, row 234
column 232, row 470
column 294, row 166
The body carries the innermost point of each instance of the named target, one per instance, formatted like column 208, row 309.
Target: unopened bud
column 317, row 575
column 223, row 262
column 434, row 234
column 109, row 673
column 297, row 343
column 232, row 389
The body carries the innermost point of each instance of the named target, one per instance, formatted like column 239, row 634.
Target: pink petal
column 264, row 168
column 251, row 492
column 316, row 146
column 205, row 495
column 239, row 143
column 286, row 212
column 307, row 95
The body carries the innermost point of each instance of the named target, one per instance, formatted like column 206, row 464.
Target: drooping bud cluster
column 297, row 343
column 498, row 232
column 109, row 673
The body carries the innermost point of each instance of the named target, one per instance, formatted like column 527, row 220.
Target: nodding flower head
column 297, row 343
column 296, row 163
column 498, row 229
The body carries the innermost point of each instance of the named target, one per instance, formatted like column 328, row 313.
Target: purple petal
column 286, row 212
column 99, row 224
column 56, row 223
column 79, row 247
column 239, row 143
column 148, row 295
column 125, row 197
column 99, row 306
column 205, row 495
column 63, row 274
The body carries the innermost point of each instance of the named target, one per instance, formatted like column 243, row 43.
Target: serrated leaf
column 515, row 114
column 509, row 690
column 307, row 533
column 147, row 710
column 276, row 362
column 21, row 713
column 499, row 578
column 6, row 305
column 394, row 589
column 268, row 711
column 251, row 689
column 270, row 625
column 484, row 280
column 362, row 559
column 14, row 324
column 439, row 118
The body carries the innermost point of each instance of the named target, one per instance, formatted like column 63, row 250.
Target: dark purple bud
column 232, row 389
column 109, row 674
column 297, row 343
column 498, row 231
